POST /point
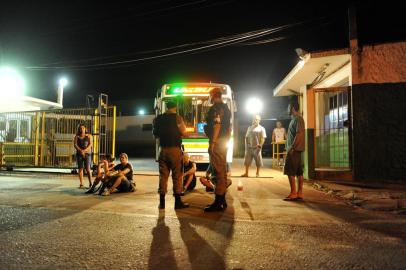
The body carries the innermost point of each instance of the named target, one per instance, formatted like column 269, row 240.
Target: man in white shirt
column 254, row 140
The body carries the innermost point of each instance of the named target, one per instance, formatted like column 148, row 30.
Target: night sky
column 45, row 40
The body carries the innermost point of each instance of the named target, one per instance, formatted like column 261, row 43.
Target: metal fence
column 332, row 134
column 45, row 138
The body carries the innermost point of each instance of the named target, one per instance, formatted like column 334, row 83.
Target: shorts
column 192, row 184
column 84, row 161
column 253, row 153
column 126, row 186
column 293, row 164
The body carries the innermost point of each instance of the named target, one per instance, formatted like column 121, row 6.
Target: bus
column 193, row 104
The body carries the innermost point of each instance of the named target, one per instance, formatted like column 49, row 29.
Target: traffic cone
column 240, row 186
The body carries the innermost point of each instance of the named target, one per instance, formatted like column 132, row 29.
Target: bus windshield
column 194, row 111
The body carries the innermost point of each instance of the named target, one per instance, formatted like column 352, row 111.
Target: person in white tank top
column 279, row 133
column 279, row 136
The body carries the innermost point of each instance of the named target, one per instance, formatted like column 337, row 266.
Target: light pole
column 61, row 84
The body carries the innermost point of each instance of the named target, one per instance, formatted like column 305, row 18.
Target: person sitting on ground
column 189, row 177
column 120, row 178
column 209, row 181
column 105, row 165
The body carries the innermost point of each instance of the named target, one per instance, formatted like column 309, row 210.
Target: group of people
column 169, row 129
column 254, row 141
column 295, row 145
column 111, row 177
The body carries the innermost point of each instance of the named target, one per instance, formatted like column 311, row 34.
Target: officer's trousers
column 170, row 159
column 218, row 159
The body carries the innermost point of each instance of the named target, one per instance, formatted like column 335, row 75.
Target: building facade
column 353, row 101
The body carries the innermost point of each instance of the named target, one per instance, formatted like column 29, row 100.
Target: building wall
column 134, row 136
column 379, row 131
column 382, row 63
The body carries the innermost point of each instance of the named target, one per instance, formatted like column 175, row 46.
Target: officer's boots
column 178, row 202
column 219, row 204
column 161, row 201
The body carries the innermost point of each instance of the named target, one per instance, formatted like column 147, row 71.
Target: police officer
column 218, row 131
column 169, row 128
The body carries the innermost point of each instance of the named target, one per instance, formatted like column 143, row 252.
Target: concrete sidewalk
column 371, row 196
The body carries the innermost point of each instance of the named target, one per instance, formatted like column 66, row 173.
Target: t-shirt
column 219, row 113
column 279, row 134
column 296, row 130
column 166, row 128
column 254, row 135
column 188, row 166
column 121, row 167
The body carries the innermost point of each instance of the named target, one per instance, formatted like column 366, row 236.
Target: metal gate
column 45, row 138
column 332, row 140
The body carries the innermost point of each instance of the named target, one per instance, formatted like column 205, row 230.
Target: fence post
column 36, row 147
column 42, row 139
column 2, row 162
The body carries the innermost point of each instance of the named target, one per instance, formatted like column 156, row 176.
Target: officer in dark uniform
column 218, row 130
column 169, row 128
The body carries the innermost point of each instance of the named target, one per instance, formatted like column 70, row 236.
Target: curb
column 375, row 201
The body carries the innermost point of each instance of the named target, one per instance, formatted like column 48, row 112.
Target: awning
column 309, row 68
column 25, row 103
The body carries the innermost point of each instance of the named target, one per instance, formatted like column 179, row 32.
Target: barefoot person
column 295, row 145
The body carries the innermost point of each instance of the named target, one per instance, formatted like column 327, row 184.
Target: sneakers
column 90, row 190
column 106, row 193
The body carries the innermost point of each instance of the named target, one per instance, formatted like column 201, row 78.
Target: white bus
column 193, row 102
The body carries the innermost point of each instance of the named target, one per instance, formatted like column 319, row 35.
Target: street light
column 254, row 106
column 141, row 112
column 61, row 84
column 11, row 83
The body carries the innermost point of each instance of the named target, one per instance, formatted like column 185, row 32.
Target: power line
column 206, row 46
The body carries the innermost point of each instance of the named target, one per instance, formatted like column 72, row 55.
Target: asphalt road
column 46, row 222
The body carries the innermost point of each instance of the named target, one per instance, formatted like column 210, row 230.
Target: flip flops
column 289, row 199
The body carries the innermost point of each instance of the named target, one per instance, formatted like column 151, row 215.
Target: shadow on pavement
column 204, row 254
column 161, row 254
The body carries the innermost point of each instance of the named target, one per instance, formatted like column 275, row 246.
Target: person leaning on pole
column 169, row 129
column 218, row 131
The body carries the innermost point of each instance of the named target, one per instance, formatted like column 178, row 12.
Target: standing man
column 218, row 131
column 169, row 128
column 254, row 140
column 295, row 145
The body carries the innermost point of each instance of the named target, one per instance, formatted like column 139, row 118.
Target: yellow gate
column 45, row 138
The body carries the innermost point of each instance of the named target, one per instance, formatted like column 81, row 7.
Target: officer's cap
column 216, row 92
column 170, row 104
